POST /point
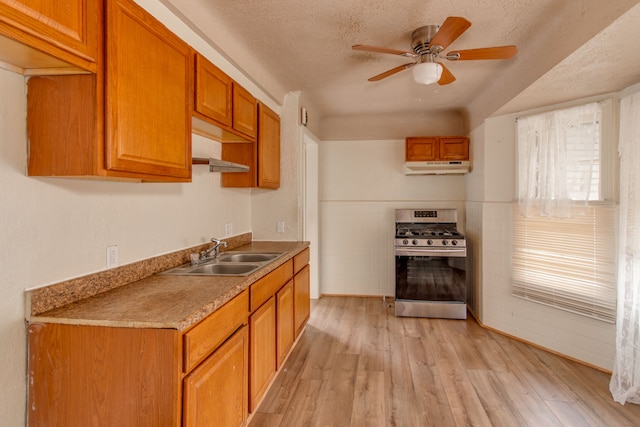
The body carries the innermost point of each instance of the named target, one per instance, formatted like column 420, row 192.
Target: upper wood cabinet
column 132, row 119
column 268, row 148
column 224, row 110
column 262, row 158
column 213, row 92
column 245, row 116
column 50, row 37
column 421, row 149
column 148, row 94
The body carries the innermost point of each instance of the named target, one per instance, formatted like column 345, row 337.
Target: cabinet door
column 421, row 149
column 262, row 351
column 454, row 148
column 285, row 326
column 213, row 92
column 94, row 375
column 148, row 95
column 215, row 393
column 245, row 112
column 302, row 302
column 67, row 29
column 268, row 148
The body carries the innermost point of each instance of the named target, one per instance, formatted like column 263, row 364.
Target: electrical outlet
column 228, row 229
column 280, row 226
column 112, row 256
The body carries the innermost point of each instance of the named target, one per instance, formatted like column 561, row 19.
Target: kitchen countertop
column 166, row 301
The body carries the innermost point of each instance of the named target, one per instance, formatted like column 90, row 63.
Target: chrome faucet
column 215, row 249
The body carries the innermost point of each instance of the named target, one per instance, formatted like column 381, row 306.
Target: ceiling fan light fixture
column 427, row 73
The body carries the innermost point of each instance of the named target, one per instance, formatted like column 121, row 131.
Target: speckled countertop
column 166, row 301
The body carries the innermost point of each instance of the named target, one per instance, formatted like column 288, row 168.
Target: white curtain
column 625, row 381
column 556, row 154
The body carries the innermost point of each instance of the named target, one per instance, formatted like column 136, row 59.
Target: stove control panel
column 430, row 242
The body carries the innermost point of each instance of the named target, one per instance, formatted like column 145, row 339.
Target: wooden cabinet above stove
column 436, row 155
column 434, row 148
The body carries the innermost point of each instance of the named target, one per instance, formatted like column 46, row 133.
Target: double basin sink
column 227, row 264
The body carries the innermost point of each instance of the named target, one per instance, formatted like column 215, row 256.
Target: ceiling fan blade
column 446, row 76
column 377, row 49
column 451, row 29
column 499, row 52
column 391, row 72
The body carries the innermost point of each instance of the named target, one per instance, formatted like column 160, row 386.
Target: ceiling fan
column 427, row 43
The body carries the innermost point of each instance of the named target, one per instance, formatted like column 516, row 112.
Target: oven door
column 435, row 275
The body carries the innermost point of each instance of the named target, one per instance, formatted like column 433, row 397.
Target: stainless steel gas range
column 430, row 263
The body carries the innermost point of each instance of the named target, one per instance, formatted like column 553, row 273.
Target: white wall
column 489, row 227
column 53, row 229
column 285, row 204
column 361, row 185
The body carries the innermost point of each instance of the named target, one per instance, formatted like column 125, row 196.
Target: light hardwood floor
column 358, row 365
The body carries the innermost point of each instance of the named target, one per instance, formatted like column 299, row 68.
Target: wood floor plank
column 591, row 389
column 368, row 405
column 540, row 377
column 303, row 405
column 398, row 382
column 337, row 394
column 526, row 401
column 431, row 399
column 495, row 399
column 359, row 365
column 465, row 405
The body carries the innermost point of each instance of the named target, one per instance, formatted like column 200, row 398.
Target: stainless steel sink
column 227, row 264
column 224, row 269
column 248, row 257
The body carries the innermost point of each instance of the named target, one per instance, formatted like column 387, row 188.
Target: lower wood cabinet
column 262, row 351
column 213, row 374
column 141, row 376
column 302, row 303
column 216, row 392
column 82, row 375
column 286, row 333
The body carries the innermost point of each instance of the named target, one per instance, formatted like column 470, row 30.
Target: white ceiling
column 567, row 50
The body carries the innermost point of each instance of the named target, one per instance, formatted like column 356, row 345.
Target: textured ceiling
column 293, row 45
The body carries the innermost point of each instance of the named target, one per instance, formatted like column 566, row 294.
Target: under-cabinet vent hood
column 217, row 165
column 437, row 167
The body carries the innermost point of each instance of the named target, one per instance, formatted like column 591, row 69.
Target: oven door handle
column 455, row 253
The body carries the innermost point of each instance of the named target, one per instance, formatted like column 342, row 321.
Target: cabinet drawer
column 217, row 391
column 207, row 335
column 266, row 287
column 300, row 260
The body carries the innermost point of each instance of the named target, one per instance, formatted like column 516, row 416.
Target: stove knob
column 429, row 242
column 445, row 242
column 415, row 241
column 405, row 242
column 454, row 242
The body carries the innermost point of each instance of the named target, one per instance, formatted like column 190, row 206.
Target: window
column 563, row 228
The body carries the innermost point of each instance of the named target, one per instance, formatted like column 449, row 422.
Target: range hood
column 440, row 167
column 217, row 165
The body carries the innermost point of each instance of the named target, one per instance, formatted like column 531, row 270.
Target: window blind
column 567, row 263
